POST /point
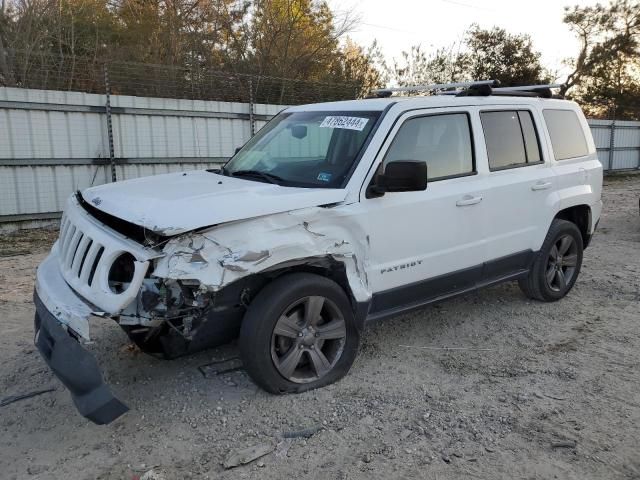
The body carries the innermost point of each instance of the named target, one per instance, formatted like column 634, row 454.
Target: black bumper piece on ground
column 76, row 368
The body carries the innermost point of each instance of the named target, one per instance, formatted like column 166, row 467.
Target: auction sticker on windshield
column 350, row 123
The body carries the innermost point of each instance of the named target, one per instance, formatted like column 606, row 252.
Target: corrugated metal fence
column 53, row 143
column 618, row 143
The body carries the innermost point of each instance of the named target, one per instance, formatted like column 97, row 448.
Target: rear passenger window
column 443, row 141
column 567, row 136
column 511, row 138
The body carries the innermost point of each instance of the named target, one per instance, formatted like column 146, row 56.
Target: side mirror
column 400, row 176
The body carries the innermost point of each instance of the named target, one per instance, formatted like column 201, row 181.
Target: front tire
column 298, row 334
column 557, row 264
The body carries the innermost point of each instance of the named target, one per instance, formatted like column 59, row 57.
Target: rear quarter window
column 567, row 137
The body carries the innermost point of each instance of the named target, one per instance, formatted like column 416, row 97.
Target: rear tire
column 557, row 264
column 298, row 334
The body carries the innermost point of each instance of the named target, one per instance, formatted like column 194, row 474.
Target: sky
column 398, row 24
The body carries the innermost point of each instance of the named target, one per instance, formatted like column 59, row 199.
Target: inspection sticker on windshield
column 350, row 123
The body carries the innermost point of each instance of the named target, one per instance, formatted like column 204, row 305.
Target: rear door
column 521, row 187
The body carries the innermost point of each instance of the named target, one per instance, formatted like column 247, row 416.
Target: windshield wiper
column 269, row 177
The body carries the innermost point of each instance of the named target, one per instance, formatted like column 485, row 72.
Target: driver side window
column 443, row 141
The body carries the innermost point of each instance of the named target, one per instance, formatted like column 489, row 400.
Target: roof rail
column 476, row 88
column 543, row 91
column 528, row 87
column 387, row 92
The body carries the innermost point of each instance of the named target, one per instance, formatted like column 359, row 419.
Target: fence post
column 612, row 138
column 252, row 120
column 107, row 109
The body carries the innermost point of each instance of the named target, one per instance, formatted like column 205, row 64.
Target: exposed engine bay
column 175, row 317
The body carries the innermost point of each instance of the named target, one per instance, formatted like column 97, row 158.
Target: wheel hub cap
column 308, row 336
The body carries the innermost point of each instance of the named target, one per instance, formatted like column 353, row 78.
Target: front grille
column 86, row 250
column 79, row 253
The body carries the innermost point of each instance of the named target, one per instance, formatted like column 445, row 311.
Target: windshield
column 304, row 149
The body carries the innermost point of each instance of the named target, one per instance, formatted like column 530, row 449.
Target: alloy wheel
column 308, row 339
column 562, row 263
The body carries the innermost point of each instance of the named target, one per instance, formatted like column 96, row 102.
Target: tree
column 418, row 67
column 364, row 67
column 499, row 55
column 606, row 72
column 301, row 40
column 186, row 47
column 483, row 54
column 48, row 42
column 294, row 38
column 176, row 32
column 6, row 73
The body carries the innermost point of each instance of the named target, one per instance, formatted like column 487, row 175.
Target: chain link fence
column 47, row 71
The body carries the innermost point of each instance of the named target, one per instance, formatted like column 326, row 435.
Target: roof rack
column 387, row 92
column 480, row 88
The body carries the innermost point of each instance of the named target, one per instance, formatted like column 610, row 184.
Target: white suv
column 333, row 215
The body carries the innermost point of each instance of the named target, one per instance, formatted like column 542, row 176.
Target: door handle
column 540, row 186
column 468, row 200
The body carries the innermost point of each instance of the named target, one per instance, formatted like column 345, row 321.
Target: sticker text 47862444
column 349, row 123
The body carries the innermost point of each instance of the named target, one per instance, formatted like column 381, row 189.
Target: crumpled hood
column 178, row 202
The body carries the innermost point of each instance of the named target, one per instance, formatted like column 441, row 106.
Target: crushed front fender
column 220, row 256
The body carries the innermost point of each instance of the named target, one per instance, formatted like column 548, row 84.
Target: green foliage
column 499, row 55
column 483, row 54
column 364, row 67
column 294, row 39
column 417, row 67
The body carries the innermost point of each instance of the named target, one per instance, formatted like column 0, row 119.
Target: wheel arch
column 324, row 266
column 581, row 216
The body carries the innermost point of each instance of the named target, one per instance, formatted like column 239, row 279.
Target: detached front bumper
column 59, row 314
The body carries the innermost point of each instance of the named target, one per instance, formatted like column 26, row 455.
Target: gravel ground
column 526, row 389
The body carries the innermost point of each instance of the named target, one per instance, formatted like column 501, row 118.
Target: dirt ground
column 526, row 389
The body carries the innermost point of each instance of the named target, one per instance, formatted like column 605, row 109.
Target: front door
column 430, row 243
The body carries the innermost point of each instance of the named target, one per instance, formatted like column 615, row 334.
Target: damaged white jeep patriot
column 332, row 215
